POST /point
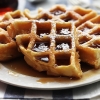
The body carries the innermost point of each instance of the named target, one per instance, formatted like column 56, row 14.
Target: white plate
column 18, row 73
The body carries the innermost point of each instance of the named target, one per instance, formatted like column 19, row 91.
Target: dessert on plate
column 54, row 40
column 51, row 47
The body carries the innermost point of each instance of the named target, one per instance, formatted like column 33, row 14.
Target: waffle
column 89, row 42
column 11, row 16
column 51, row 47
column 52, row 14
column 76, row 14
column 53, row 40
column 8, row 47
column 95, row 20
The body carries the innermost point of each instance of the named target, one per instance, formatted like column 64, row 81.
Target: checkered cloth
column 90, row 92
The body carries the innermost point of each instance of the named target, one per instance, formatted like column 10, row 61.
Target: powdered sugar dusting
column 62, row 46
column 43, row 34
column 41, row 47
column 65, row 31
column 46, row 59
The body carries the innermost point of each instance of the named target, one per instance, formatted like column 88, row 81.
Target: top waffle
column 52, row 48
column 87, row 23
column 76, row 14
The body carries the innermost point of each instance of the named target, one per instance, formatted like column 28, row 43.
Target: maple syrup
column 20, row 66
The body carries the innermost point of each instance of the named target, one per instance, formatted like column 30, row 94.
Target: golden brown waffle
column 11, row 16
column 51, row 47
column 8, row 47
column 43, row 16
column 51, row 14
column 89, row 43
column 77, row 15
column 96, row 19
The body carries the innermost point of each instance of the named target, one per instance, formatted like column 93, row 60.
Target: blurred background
column 34, row 4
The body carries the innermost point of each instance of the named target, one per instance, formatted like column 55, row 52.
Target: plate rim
column 17, row 79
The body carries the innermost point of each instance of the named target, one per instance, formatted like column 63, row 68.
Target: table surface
column 85, row 92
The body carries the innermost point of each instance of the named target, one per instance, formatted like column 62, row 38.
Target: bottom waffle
column 51, row 47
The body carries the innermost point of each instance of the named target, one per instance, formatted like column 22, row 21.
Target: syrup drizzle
column 20, row 66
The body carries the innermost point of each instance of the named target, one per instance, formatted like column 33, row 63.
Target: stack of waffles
column 54, row 40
